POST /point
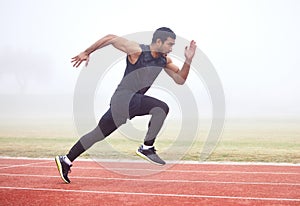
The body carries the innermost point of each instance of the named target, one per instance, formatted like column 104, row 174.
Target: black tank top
column 139, row 77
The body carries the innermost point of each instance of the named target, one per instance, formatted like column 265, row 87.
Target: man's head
column 163, row 33
column 163, row 39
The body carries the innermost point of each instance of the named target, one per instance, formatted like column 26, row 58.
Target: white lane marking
column 25, row 165
column 153, row 194
column 170, row 162
column 156, row 180
column 168, row 170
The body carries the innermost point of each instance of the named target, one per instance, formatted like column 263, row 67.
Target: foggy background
column 254, row 46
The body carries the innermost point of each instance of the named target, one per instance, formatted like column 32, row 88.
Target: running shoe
column 63, row 168
column 150, row 155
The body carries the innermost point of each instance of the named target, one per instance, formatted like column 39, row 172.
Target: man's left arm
column 180, row 75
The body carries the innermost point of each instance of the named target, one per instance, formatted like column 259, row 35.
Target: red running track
column 36, row 182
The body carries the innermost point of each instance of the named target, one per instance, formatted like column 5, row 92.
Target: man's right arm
column 131, row 48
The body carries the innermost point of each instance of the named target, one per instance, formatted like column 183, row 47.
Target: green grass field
column 241, row 141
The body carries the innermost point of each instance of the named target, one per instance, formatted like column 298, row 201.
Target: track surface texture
column 26, row 181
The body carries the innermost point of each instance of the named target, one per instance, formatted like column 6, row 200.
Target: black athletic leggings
column 147, row 105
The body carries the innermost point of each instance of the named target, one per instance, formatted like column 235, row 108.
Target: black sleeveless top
column 139, row 77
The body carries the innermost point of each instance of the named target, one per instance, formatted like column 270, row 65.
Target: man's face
column 166, row 47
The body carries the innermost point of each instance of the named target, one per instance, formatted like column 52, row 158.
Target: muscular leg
column 105, row 127
column 159, row 110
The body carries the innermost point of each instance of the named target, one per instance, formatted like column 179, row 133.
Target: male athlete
column 143, row 65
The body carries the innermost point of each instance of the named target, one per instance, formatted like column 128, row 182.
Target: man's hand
column 190, row 52
column 77, row 60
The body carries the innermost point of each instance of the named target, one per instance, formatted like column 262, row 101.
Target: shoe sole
column 59, row 167
column 146, row 158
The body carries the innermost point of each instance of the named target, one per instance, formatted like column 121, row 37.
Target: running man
column 143, row 65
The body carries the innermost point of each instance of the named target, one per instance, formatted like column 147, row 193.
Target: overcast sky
column 253, row 45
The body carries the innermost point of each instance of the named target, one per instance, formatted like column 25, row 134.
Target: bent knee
column 162, row 109
column 165, row 107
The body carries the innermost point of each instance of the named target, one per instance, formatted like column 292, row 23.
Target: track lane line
column 170, row 170
column 156, row 180
column 280, row 164
column 151, row 194
column 24, row 165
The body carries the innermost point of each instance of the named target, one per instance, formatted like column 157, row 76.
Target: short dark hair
column 163, row 33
